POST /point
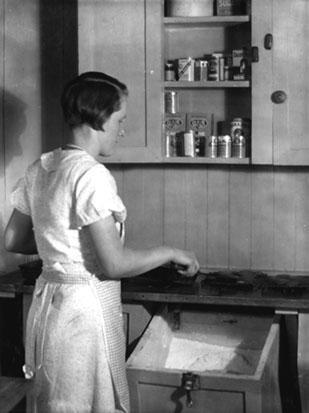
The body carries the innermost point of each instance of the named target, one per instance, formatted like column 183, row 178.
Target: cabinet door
column 281, row 120
column 123, row 39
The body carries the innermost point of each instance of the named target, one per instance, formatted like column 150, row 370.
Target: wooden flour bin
column 217, row 361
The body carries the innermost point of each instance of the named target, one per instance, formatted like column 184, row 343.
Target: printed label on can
column 224, row 146
column 186, row 69
column 171, row 102
column 211, row 147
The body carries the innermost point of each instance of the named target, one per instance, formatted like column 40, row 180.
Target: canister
column 170, row 144
column 239, row 146
column 186, row 69
column 171, row 101
column 224, row 146
column 201, row 70
column 211, row 146
column 169, row 71
column 189, row 143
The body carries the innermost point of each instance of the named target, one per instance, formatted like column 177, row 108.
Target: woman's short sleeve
column 96, row 197
column 19, row 197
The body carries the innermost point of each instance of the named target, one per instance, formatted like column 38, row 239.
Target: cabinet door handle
column 268, row 41
column 279, row 96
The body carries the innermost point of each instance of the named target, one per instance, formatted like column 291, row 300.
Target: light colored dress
column 75, row 346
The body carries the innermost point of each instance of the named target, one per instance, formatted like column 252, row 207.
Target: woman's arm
column 19, row 235
column 117, row 261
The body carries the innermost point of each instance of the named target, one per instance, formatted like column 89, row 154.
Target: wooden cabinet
column 198, row 361
column 280, row 130
column 133, row 40
column 123, row 39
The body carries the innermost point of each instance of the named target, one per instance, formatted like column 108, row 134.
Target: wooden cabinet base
column 192, row 361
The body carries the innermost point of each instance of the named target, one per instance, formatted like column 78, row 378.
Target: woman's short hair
column 91, row 98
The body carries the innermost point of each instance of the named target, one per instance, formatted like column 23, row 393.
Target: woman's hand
column 185, row 262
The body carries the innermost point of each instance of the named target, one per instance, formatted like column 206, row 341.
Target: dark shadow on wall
column 11, row 345
column 59, row 63
column 14, row 125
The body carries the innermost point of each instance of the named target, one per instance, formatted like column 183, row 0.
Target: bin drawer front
column 169, row 399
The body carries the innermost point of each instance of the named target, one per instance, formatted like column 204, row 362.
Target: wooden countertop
column 282, row 292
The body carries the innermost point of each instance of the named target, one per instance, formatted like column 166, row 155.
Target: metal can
column 221, row 67
column 169, row 71
column 170, row 144
column 240, row 126
column 171, row 102
column 189, row 143
column 201, row 70
column 213, row 66
column 224, row 146
column 186, row 69
column 211, row 146
column 200, row 140
column 239, row 147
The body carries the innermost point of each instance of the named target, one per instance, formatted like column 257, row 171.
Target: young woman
column 67, row 210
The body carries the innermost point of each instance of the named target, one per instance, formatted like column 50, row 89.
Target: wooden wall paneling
column 284, row 219
column 301, row 191
column 21, row 97
column 262, row 254
column 218, row 217
column 143, row 197
column 175, row 211
column 240, row 218
column 196, row 212
column 22, row 120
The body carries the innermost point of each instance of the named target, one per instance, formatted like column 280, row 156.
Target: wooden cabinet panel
column 112, row 38
column 290, row 67
column 280, row 130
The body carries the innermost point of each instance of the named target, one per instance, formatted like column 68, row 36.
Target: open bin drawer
column 204, row 361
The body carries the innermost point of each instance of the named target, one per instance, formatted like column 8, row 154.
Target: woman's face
column 113, row 129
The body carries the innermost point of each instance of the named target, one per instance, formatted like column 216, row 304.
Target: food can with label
column 200, row 140
column 169, row 71
column 189, row 143
column 171, row 144
column 186, row 69
column 171, row 102
column 213, row 66
column 240, row 126
column 201, row 70
column 224, row 146
column 211, row 146
column 239, row 147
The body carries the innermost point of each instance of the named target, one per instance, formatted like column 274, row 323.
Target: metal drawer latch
column 190, row 382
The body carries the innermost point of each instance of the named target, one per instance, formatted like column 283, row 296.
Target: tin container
column 171, row 144
column 213, row 66
column 239, row 147
column 211, row 146
column 201, row 70
column 200, row 140
column 169, row 71
column 171, row 101
column 189, row 143
column 224, row 146
column 186, row 69
column 221, row 68
column 240, row 126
